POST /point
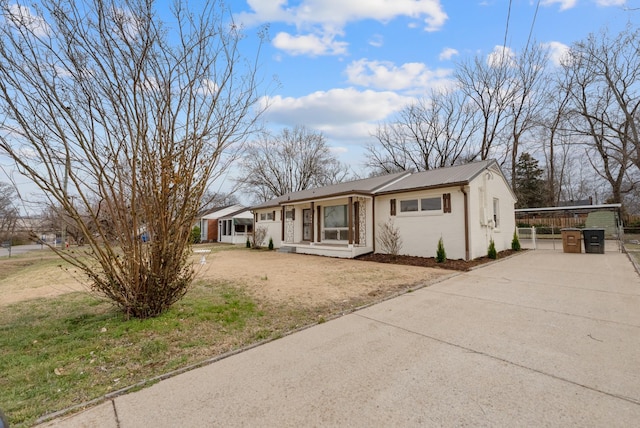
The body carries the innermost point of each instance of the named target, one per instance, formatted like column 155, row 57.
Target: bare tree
column 117, row 116
column 212, row 199
column 487, row 83
column 293, row 160
column 555, row 134
column 603, row 75
column 8, row 212
column 526, row 100
column 432, row 133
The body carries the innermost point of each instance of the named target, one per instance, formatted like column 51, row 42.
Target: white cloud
column 338, row 150
column 564, row 4
column 19, row 15
column 329, row 17
column 265, row 11
column 309, row 44
column 607, row 3
column 337, row 13
column 501, row 55
column 208, row 87
column 377, row 40
column 346, row 116
column 557, row 52
column 387, row 76
column 447, row 53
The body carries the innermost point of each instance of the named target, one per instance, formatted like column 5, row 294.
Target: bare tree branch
column 116, row 116
column 293, row 160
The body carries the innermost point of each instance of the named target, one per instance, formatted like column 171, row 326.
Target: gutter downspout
column 373, row 219
column 466, row 223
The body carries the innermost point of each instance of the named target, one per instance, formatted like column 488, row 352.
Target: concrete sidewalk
column 540, row 339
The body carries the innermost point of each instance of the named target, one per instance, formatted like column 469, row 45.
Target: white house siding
column 481, row 214
column 482, row 182
column 215, row 215
column 273, row 227
column 421, row 231
column 231, row 230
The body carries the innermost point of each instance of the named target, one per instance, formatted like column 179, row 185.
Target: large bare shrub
column 389, row 238
column 123, row 121
column 258, row 237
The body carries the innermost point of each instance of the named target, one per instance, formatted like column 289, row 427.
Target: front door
column 307, row 224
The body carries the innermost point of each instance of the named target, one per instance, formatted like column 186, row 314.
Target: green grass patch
column 60, row 352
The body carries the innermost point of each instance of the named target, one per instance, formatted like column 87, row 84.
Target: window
column 409, row 205
column 335, row 216
column 240, row 228
column 421, row 205
column 227, row 226
column 266, row 216
column 496, row 213
column 290, row 215
column 430, row 204
column 336, row 223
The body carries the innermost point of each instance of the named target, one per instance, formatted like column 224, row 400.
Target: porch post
column 282, row 222
column 255, row 226
column 312, row 223
column 356, row 208
column 350, row 217
column 319, row 234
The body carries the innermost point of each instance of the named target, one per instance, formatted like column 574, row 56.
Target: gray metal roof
column 366, row 186
column 441, row 177
column 393, row 183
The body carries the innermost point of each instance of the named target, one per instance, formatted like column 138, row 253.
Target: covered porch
column 235, row 228
column 335, row 227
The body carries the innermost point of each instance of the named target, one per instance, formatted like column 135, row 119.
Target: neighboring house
column 208, row 222
column 466, row 205
column 236, row 227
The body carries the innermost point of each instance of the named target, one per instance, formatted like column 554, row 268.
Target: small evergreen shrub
column 248, row 244
column 270, row 244
column 515, row 242
column 195, row 235
column 441, row 254
column 492, row 253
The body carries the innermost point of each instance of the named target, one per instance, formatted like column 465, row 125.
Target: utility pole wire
column 533, row 23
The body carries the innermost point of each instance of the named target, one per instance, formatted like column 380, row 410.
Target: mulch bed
column 459, row 264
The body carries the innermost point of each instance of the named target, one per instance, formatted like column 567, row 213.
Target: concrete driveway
column 540, row 339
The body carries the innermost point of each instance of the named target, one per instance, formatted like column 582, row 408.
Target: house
column 235, row 227
column 208, row 222
column 465, row 205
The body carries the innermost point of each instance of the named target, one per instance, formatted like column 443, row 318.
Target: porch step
column 287, row 249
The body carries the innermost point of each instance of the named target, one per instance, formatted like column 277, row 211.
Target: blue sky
column 344, row 66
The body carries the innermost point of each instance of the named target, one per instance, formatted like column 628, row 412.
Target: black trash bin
column 593, row 240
